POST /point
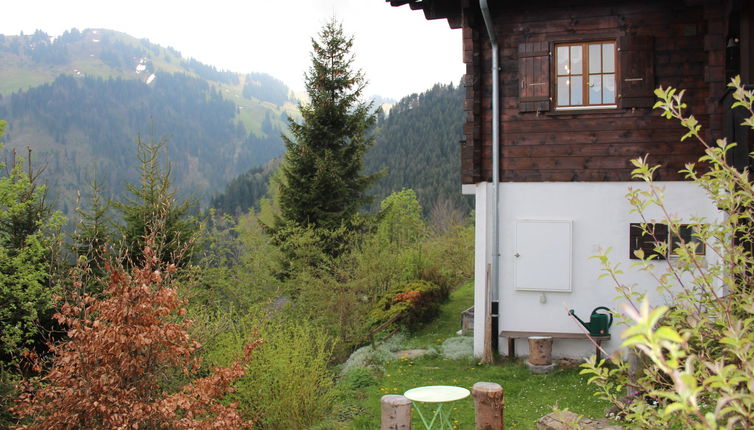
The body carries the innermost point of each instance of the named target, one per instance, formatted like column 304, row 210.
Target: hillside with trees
column 415, row 146
column 246, row 190
column 77, row 125
column 418, row 145
column 81, row 100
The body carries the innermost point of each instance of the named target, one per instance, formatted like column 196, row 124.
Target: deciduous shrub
column 288, row 385
column 699, row 352
column 107, row 372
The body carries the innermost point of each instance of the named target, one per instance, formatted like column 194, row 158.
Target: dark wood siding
column 534, row 85
column 668, row 43
column 637, row 79
column 471, row 147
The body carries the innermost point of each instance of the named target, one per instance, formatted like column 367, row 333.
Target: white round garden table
column 439, row 394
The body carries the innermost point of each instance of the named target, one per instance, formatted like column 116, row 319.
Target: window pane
column 576, row 90
column 608, row 89
column 563, row 91
column 608, row 57
column 595, row 58
column 595, row 89
column 562, row 60
column 576, row 56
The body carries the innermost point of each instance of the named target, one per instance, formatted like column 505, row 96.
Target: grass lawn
column 527, row 396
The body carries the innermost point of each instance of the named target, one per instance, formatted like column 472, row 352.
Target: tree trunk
column 540, row 350
column 488, row 403
column 396, row 412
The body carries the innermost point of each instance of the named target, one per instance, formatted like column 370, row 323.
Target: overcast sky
column 399, row 51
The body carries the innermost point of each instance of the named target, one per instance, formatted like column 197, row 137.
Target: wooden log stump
column 488, row 404
column 540, row 350
column 396, row 412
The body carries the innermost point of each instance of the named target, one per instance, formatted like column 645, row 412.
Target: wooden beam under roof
column 436, row 9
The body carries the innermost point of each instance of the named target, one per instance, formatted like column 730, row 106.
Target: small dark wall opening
column 495, row 324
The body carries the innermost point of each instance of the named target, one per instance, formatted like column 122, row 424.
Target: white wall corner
column 468, row 189
column 482, row 259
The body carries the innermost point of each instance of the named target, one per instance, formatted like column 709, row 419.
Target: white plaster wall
column 482, row 256
column 601, row 216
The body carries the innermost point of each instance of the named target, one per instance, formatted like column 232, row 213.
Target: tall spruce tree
column 323, row 187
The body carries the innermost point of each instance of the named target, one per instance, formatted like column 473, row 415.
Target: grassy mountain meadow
column 81, row 99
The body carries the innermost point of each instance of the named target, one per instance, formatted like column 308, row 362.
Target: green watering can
column 599, row 322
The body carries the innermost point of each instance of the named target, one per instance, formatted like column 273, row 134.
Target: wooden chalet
column 574, row 84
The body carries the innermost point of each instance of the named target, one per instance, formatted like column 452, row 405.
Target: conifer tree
column 152, row 207
column 29, row 245
column 29, row 260
column 93, row 233
column 323, row 186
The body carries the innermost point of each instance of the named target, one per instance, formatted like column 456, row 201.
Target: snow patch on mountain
column 142, row 66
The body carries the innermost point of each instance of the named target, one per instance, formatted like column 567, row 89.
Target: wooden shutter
column 534, row 76
column 646, row 242
column 636, row 74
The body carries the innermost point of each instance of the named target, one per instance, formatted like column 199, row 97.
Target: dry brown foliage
column 412, row 297
column 107, row 373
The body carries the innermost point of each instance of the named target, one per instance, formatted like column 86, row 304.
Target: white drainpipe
column 494, row 290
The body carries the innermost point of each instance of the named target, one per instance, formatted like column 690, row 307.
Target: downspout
column 495, row 272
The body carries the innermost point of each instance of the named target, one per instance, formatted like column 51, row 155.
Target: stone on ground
column 565, row 420
column 410, row 353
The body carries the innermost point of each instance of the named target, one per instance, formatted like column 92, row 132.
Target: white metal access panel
column 542, row 255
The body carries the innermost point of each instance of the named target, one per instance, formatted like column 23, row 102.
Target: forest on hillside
column 86, row 123
column 416, row 146
column 82, row 99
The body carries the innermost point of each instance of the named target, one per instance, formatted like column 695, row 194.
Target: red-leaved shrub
column 106, row 374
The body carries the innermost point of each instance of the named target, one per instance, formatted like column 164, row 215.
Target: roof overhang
column 436, row 9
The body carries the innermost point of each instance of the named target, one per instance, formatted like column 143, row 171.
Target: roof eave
column 436, row 9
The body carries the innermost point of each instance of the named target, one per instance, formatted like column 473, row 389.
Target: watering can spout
column 571, row 312
column 599, row 322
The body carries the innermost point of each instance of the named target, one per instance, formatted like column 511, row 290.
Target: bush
column 237, row 265
column 698, row 355
column 328, row 300
column 448, row 258
column 371, row 358
column 8, row 394
column 457, row 348
column 288, row 385
column 410, row 304
column 359, row 377
column 107, row 373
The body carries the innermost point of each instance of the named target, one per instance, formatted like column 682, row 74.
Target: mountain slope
column 81, row 99
column 417, row 145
